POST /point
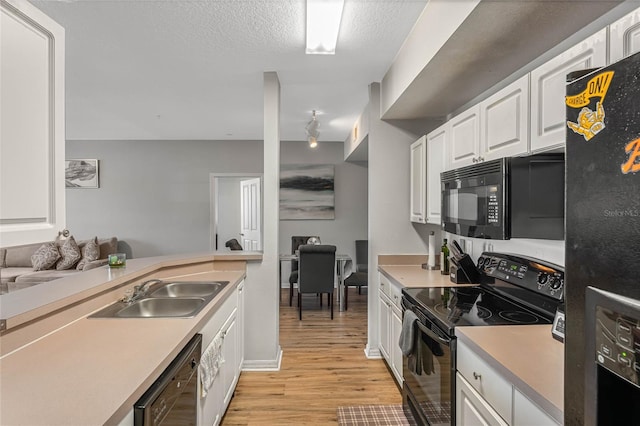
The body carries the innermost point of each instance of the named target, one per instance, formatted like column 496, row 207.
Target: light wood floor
column 323, row 367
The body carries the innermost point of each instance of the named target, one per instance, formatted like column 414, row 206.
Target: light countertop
column 527, row 356
column 20, row 307
column 91, row 371
column 406, row 271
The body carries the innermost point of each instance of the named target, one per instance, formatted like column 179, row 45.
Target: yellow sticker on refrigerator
column 590, row 122
column 632, row 165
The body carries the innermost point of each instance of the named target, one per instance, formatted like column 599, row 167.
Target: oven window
column 428, row 374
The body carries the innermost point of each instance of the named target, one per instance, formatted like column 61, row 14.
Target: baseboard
column 263, row 364
column 372, row 353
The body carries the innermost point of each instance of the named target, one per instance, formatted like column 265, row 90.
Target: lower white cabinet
column 471, row 408
column 526, row 413
column 390, row 325
column 485, row 397
column 225, row 324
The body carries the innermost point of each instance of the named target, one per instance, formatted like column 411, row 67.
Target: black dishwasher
column 172, row 400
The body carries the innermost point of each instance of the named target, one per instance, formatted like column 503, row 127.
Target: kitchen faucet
column 139, row 291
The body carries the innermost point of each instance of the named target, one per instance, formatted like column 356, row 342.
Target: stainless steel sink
column 171, row 299
column 162, row 307
column 189, row 289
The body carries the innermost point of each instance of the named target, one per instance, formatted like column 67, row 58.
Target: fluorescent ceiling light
column 323, row 25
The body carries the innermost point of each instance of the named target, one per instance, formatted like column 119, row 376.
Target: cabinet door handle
column 477, row 376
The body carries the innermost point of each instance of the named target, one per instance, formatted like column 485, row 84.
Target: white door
column 250, row 214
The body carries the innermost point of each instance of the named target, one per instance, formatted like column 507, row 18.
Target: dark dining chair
column 316, row 272
column 359, row 278
column 296, row 241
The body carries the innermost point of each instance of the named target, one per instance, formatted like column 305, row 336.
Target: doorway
column 236, row 210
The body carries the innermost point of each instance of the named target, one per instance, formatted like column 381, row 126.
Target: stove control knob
column 556, row 283
column 542, row 278
column 481, row 262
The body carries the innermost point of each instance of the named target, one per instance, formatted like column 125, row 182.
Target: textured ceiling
column 194, row 69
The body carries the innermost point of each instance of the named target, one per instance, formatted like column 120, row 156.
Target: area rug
column 373, row 415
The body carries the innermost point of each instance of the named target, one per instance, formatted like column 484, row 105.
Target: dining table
column 343, row 267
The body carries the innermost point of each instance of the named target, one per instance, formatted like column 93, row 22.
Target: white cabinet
column 471, row 408
column 240, row 320
column 32, row 134
column 437, row 142
column 419, row 181
column 624, row 36
column 485, row 380
column 485, row 397
column 396, row 353
column 230, row 371
column 548, row 83
column 526, row 413
column 504, row 121
column 465, row 138
column 384, row 307
column 224, row 324
column 390, row 325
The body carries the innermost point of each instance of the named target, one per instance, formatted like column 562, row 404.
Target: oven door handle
column 433, row 335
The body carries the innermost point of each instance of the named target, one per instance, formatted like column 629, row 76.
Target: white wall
column 155, row 195
column 262, row 298
column 390, row 231
column 350, row 185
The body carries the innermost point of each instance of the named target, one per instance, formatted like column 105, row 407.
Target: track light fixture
column 312, row 130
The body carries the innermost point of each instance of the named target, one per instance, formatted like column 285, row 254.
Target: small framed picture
column 81, row 173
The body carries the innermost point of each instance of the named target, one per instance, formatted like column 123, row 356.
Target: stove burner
column 482, row 312
column 518, row 317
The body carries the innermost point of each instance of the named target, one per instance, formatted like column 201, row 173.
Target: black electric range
column 514, row 290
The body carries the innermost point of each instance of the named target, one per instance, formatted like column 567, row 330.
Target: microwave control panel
column 618, row 344
column 534, row 274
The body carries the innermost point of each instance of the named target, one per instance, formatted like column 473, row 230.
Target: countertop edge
column 25, row 305
column 535, row 396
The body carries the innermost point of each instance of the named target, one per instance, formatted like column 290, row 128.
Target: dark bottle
column 444, row 258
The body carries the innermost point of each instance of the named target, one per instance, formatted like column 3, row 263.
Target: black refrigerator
column 602, row 214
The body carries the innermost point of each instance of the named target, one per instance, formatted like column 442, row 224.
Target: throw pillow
column 90, row 252
column 69, row 254
column 45, row 257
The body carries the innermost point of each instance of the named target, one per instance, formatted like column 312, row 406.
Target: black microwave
column 519, row 197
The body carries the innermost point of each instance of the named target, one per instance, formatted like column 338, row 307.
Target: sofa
column 23, row 266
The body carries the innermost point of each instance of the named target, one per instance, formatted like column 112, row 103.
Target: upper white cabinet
column 548, row 89
column 465, row 138
column 504, row 121
column 32, row 135
column 624, row 36
column 437, row 142
column 419, row 181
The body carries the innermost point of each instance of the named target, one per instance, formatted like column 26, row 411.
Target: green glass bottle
column 444, row 258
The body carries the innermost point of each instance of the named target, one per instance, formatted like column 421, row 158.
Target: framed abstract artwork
column 81, row 173
column 307, row 192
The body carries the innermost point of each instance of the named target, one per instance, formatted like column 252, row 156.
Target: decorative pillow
column 90, row 252
column 45, row 257
column 69, row 254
